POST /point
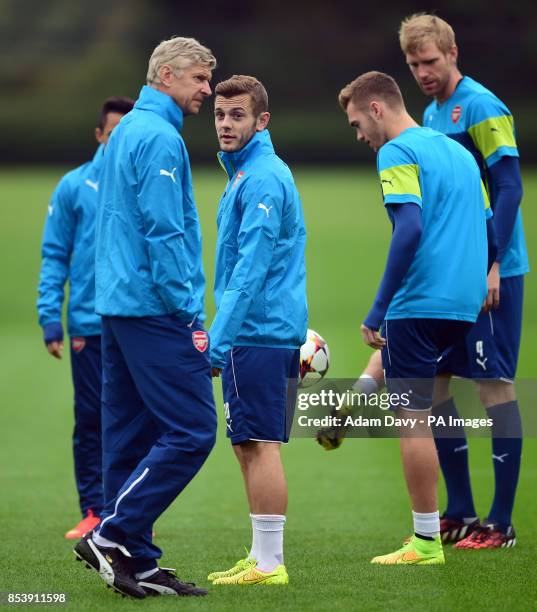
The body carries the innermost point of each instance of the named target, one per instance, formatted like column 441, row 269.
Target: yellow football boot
column 415, row 552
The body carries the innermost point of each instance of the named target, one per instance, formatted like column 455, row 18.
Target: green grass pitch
column 345, row 506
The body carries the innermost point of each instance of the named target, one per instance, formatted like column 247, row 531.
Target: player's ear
column 165, row 74
column 99, row 135
column 262, row 121
column 454, row 54
column 375, row 109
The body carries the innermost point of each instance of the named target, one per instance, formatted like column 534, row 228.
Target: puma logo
column 263, row 207
column 386, row 181
column 500, row 458
column 482, row 362
column 94, row 186
column 170, row 174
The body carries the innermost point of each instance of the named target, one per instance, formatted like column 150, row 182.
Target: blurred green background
column 61, row 58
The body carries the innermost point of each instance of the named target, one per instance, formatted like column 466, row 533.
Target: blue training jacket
column 68, row 251
column 260, row 275
column 148, row 252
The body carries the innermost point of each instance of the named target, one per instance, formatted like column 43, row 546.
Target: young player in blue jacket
column 261, row 318
column 158, row 415
column 68, row 252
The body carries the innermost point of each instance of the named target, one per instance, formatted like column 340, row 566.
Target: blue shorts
column 410, row 357
column 491, row 348
column 259, row 385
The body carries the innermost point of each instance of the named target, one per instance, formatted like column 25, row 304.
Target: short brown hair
column 421, row 28
column 369, row 86
column 240, row 84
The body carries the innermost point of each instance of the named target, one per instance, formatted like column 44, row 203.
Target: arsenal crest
column 237, row 179
column 200, row 340
column 456, row 113
column 78, row 344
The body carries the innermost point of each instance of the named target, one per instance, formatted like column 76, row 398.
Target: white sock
column 254, row 551
column 268, row 539
column 366, row 384
column 144, row 575
column 426, row 523
column 100, row 541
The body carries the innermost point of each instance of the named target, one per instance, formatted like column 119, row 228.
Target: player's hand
column 55, row 349
column 372, row 337
column 215, row 372
column 492, row 300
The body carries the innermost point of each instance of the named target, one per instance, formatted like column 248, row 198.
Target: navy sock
column 452, row 448
column 506, row 454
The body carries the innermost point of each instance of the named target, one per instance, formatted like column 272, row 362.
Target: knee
column 86, row 433
column 442, row 391
column 250, row 451
column 204, row 433
column 207, row 441
column 494, row 392
column 374, row 368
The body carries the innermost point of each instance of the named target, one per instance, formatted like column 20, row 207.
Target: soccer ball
column 314, row 359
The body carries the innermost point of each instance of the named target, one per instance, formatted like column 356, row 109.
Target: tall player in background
column 472, row 115
column 68, row 252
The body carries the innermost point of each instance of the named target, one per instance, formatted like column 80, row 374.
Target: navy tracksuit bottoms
column 158, row 423
column 86, row 373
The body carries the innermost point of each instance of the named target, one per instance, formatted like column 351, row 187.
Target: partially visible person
column 434, row 282
column 472, row 115
column 468, row 112
column 370, row 381
column 68, row 252
column 261, row 316
column 158, row 414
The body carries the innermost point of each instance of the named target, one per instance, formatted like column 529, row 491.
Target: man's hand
column 53, row 337
column 55, row 349
column 372, row 337
column 492, row 300
column 215, row 372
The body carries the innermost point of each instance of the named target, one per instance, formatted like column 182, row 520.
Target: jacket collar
column 97, row 160
column 260, row 144
column 98, row 154
column 153, row 100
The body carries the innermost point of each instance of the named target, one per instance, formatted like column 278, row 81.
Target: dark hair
column 240, row 84
column 115, row 104
column 369, row 86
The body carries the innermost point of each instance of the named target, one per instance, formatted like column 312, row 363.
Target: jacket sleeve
column 261, row 209
column 160, row 167
column 56, row 249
